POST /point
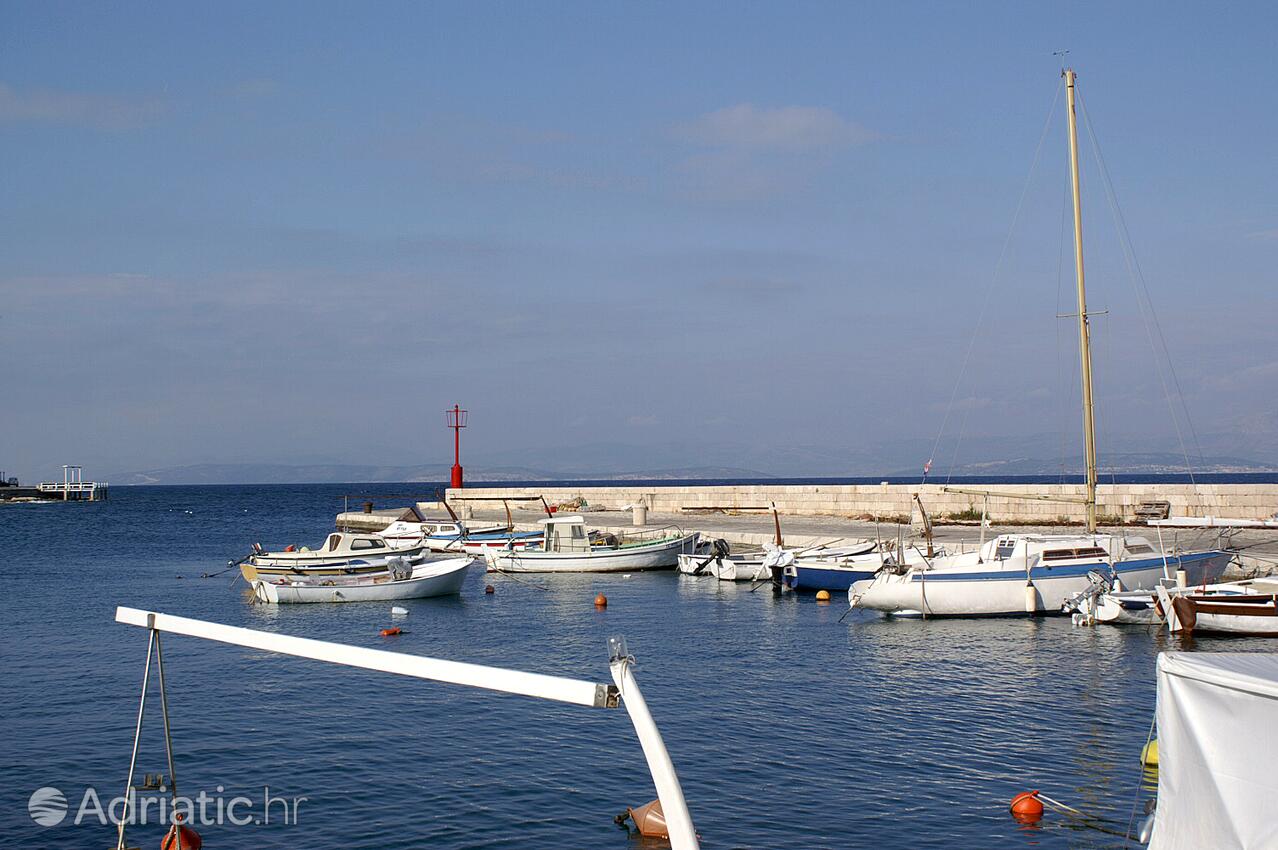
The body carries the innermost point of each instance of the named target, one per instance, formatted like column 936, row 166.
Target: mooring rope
column 998, row 268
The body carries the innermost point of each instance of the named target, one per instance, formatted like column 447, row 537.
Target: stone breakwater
column 1117, row 502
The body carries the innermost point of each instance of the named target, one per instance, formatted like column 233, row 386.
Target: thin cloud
column 1259, row 374
column 83, row 109
column 785, row 128
column 750, row 286
column 252, row 89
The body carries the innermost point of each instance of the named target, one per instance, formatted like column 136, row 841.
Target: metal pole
column 137, row 737
column 168, row 737
column 683, row 836
column 1084, row 335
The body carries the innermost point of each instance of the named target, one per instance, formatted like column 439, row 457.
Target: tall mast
column 1084, row 335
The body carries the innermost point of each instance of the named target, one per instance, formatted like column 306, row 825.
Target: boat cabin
column 1054, row 549
column 566, row 534
column 339, row 542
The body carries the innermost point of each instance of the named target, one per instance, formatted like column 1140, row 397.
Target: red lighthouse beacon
column 456, row 421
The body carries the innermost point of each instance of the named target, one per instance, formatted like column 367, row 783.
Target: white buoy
column 1031, row 598
column 1182, row 578
column 399, row 612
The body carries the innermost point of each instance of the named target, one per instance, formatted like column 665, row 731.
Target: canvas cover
column 1218, row 751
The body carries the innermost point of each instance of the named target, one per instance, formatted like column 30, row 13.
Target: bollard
column 640, row 514
column 368, row 507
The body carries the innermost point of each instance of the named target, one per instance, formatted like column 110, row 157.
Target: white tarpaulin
column 1217, row 751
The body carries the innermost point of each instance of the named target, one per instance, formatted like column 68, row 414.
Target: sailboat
column 1035, row 573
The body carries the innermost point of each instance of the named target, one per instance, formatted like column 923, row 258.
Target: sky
column 293, row 232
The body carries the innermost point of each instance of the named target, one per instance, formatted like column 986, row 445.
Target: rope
column 1140, row 287
column 989, row 290
column 500, row 571
column 1131, row 820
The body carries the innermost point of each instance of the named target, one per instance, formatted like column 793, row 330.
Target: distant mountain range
column 606, row 463
column 258, row 473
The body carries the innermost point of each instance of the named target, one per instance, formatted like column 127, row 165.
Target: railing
column 71, row 486
column 635, row 537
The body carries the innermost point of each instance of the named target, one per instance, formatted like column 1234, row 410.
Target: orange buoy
column 650, row 820
column 290, row 548
column 823, row 596
column 190, row 839
column 1026, row 807
column 393, row 630
column 488, row 588
column 601, row 601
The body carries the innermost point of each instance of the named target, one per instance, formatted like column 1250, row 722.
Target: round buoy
column 601, row 601
column 823, row 596
column 190, row 838
column 1149, row 754
column 1026, row 806
column 488, row 588
column 393, row 630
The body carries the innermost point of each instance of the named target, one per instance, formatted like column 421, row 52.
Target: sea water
column 790, row 724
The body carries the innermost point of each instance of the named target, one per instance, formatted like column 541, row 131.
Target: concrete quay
column 1116, row 502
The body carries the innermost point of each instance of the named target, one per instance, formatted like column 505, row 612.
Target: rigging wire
column 989, row 290
column 1146, row 305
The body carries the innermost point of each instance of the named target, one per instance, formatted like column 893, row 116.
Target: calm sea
column 789, row 728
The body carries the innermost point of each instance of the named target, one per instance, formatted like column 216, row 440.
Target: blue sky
column 250, row 232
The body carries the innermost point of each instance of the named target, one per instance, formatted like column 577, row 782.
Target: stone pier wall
column 1117, row 501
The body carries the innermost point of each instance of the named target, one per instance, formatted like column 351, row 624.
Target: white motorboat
column 457, row 536
column 341, row 554
column 813, row 568
column 570, row 548
column 400, row 581
column 717, row 561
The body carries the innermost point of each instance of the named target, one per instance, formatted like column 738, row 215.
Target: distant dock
column 72, row 488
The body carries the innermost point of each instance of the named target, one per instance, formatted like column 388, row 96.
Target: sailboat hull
column 997, row 590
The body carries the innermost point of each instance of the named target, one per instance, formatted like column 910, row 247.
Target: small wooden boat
column 400, row 581
column 341, row 554
column 1243, row 614
column 569, row 548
